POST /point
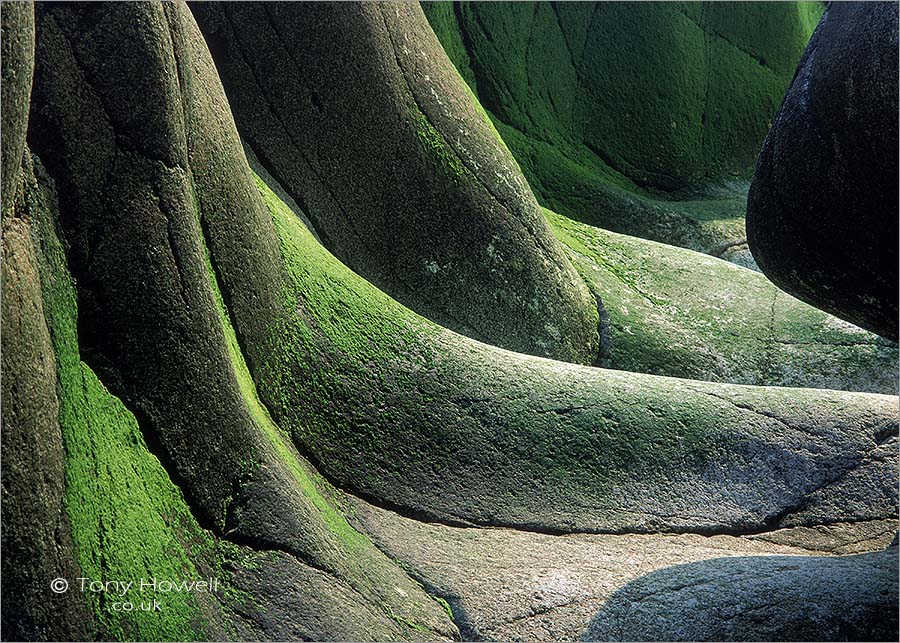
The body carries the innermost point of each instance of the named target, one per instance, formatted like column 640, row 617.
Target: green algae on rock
column 617, row 111
column 674, row 312
column 37, row 538
column 414, row 192
column 180, row 231
column 393, row 407
column 184, row 361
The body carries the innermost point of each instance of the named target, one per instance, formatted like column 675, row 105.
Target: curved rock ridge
column 37, row 540
column 672, row 311
column 356, row 111
column 152, row 187
column 191, row 377
column 642, row 119
column 395, row 408
column 822, row 216
column 85, row 495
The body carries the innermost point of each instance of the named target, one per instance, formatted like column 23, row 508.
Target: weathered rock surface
column 37, row 542
column 17, row 43
column 822, row 213
column 396, row 408
column 85, row 496
column 179, row 351
column 671, row 311
column 762, row 598
column 509, row 585
column 156, row 259
column 356, row 111
column 642, row 119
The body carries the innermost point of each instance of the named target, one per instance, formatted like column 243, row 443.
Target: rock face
column 17, row 25
column 822, row 215
column 37, row 540
column 642, row 119
column 356, row 111
column 160, row 221
column 739, row 327
column 396, row 408
column 509, row 585
column 182, row 357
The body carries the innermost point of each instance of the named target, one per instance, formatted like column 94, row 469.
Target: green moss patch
column 617, row 112
column 395, row 408
column 128, row 520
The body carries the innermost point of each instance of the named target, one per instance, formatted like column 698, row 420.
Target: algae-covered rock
column 157, row 260
column 672, row 311
column 618, row 112
column 37, row 540
column 397, row 409
column 356, row 111
column 182, row 356
column 86, row 497
column 822, row 214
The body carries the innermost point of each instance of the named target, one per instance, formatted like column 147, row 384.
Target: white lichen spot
column 553, row 331
column 432, row 267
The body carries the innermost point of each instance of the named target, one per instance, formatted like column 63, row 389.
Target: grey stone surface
column 356, row 111
column 510, row 585
column 17, row 43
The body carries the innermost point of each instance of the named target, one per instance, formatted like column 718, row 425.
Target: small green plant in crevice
column 434, row 141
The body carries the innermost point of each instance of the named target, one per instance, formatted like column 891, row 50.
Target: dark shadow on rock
column 757, row 598
column 822, row 209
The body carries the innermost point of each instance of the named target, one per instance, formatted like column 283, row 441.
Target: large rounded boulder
column 822, row 210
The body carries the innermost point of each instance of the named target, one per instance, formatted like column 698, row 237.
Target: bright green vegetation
column 327, row 300
column 618, row 111
column 128, row 520
column 334, row 544
column 308, row 482
column 434, row 140
column 404, row 370
column 676, row 312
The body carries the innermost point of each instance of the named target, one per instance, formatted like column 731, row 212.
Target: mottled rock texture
column 672, row 311
column 17, row 43
column 822, row 213
column 182, row 357
column 356, row 111
column 398, row 409
column 509, row 585
column 160, row 221
column 37, row 542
